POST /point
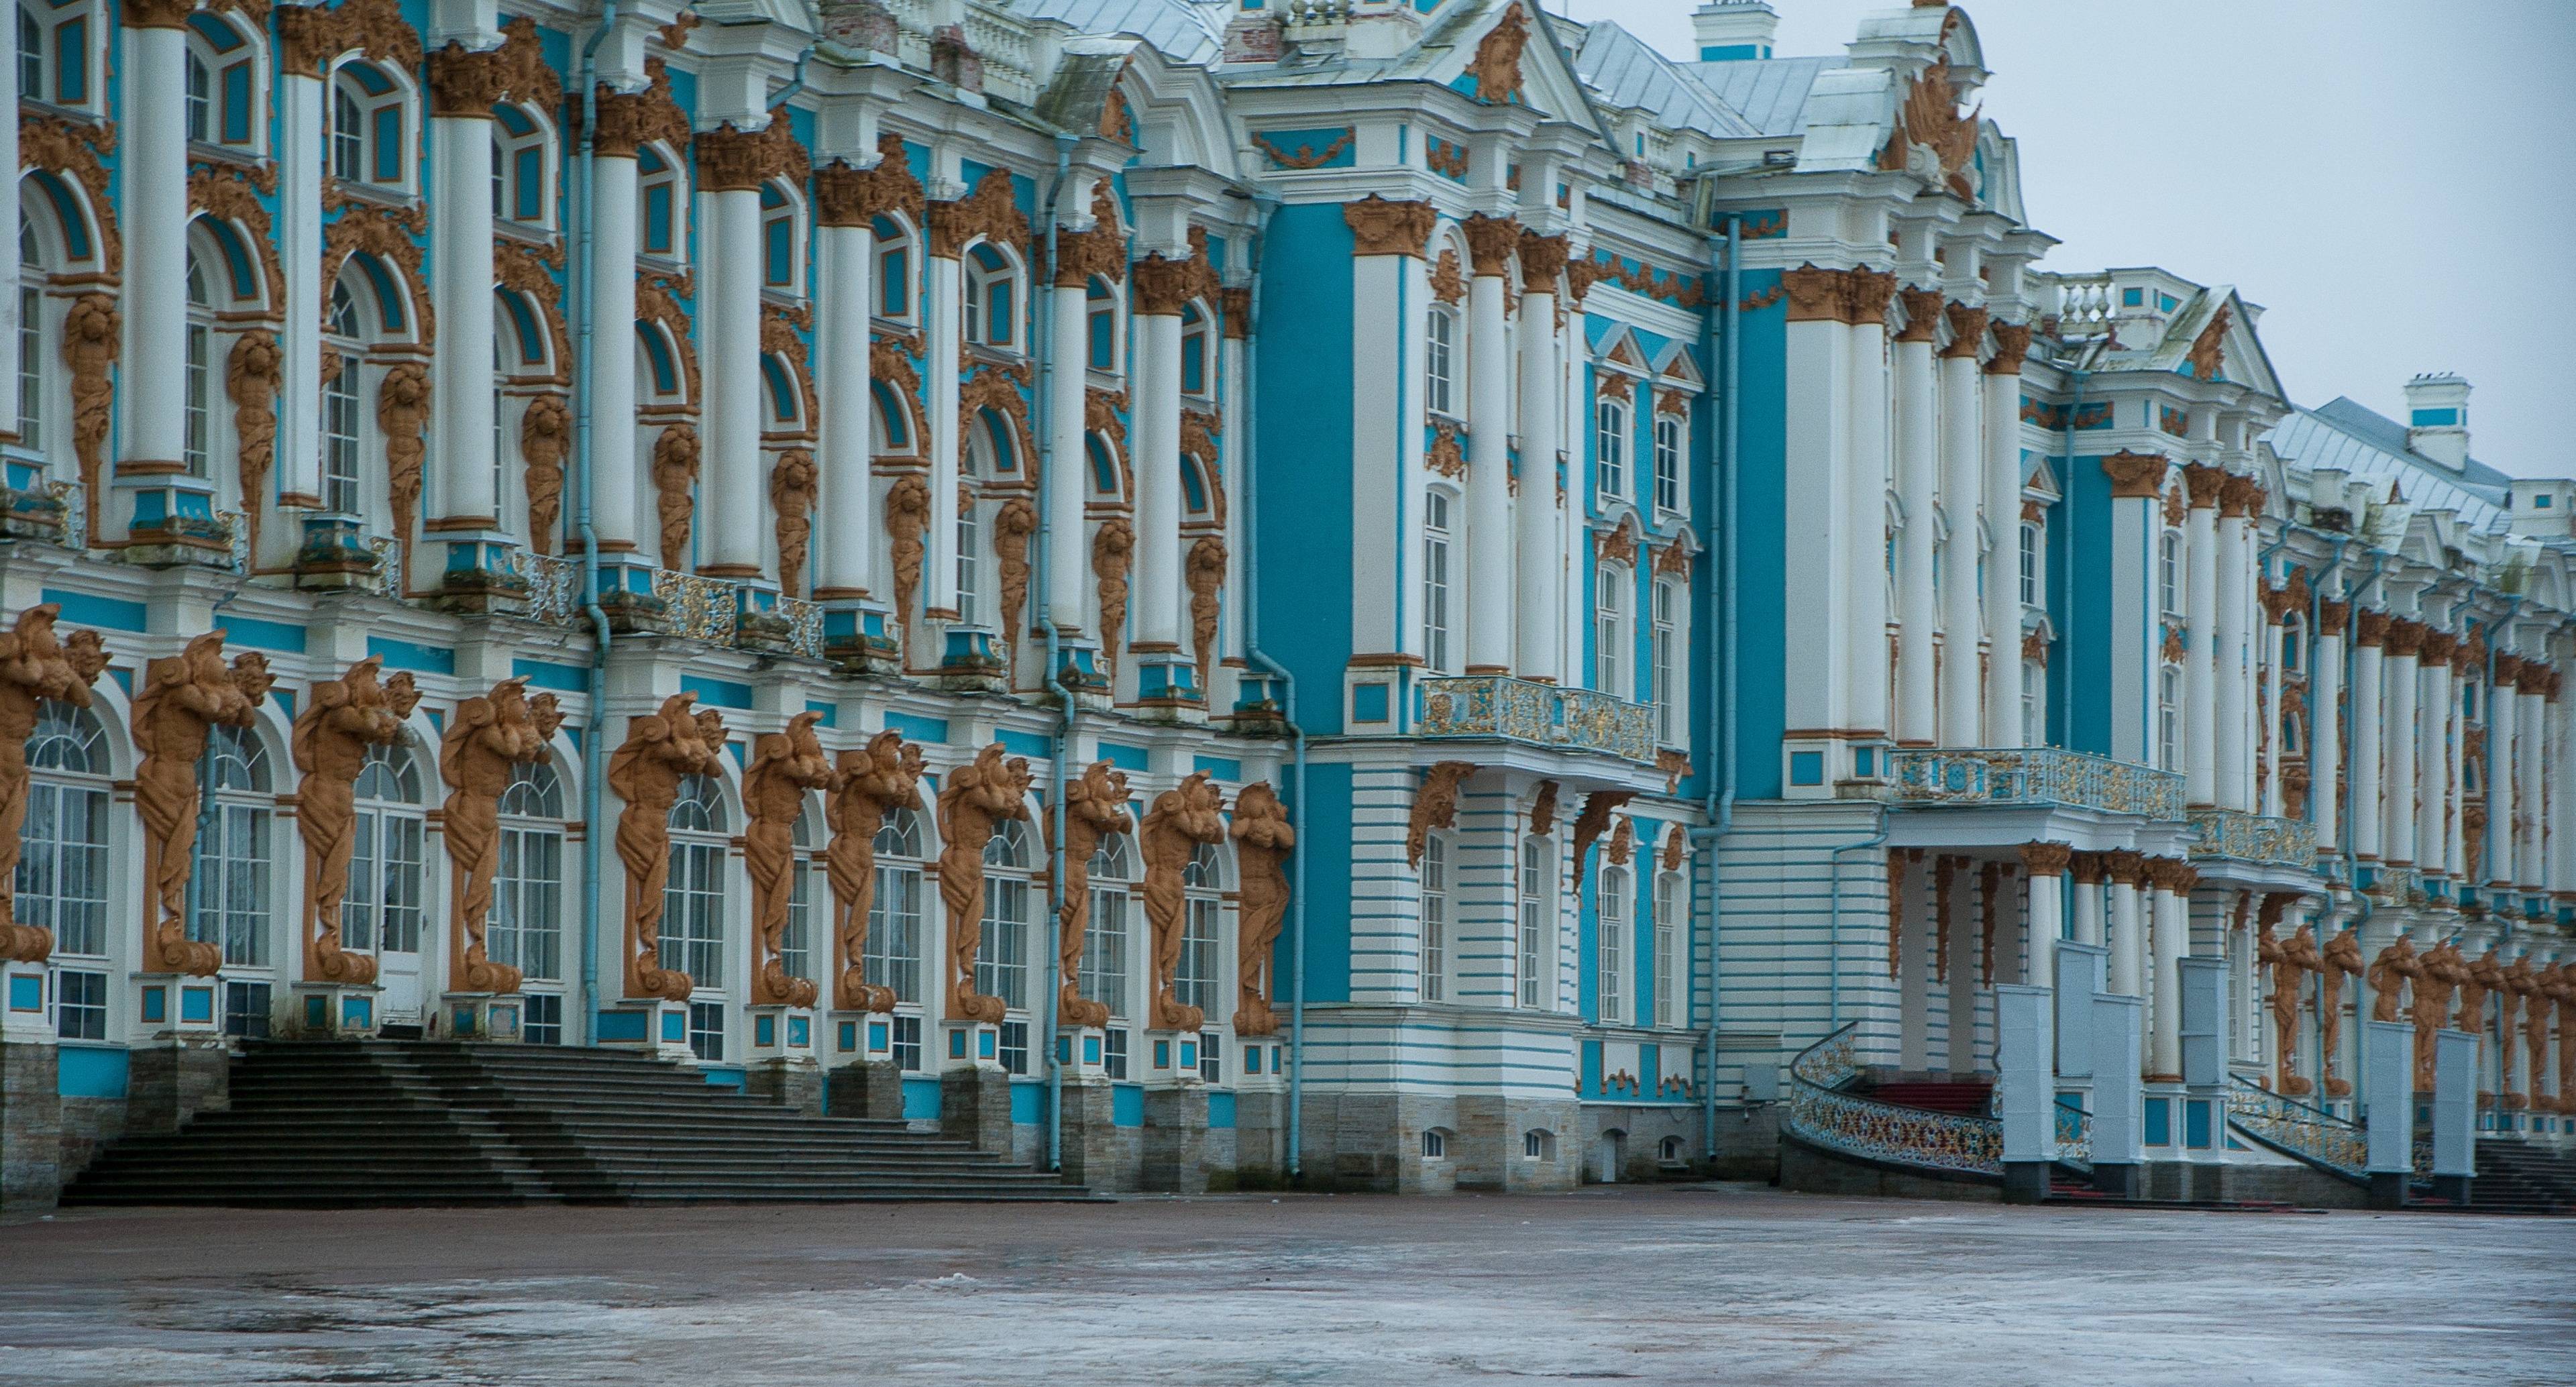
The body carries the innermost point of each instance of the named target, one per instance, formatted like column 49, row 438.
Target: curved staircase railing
column 1822, row 1115
column 2302, row 1133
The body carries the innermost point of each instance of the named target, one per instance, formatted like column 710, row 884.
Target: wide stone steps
column 376, row 1123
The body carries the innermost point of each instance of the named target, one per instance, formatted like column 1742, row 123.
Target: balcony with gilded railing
column 1823, row 1115
column 2019, row 777
column 2246, row 837
column 1523, row 710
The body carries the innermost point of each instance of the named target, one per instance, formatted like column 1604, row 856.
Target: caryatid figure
column 345, row 719
column 1095, row 808
column 1262, row 842
column 785, row 767
column 185, row 697
column 35, row 666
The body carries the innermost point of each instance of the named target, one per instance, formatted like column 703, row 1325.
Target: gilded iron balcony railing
column 2015, row 776
column 2254, row 838
column 1821, row 1114
column 1523, row 710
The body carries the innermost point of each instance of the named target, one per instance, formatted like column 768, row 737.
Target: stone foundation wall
column 1810, row 1170
column 31, row 1127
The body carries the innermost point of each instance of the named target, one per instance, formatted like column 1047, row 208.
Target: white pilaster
column 1069, row 558
column 2503, row 778
column 1539, row 565
column 2325, row 733
column 1490, row 627
column 1157, row 427
column 2369, row 660
column 616, row 500
column 299, row 251
column 1918, row 469
column 2200, row 643
column 841, row 331
column 732, row 497
column 2126, row 938
column 942, row 302
column 2002, row 424
column 2171, row 932
column 2531, row 775
column 2234, row 761
column 460, row 368
column 2399, row 801
column 1962, row 473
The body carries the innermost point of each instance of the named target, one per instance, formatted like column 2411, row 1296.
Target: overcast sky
column 2394, row 181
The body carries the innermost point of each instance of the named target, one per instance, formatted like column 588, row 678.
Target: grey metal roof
column 1184, row 31
column 1769, row 94
column 2349, row 437
column 1624, row 72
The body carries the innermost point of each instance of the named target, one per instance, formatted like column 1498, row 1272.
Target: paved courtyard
column 1722, row 1284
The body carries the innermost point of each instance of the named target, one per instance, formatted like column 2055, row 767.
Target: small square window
column 543, row 1019
column 1435, row 1145
column 2133, row 298
column 1015, row 1046
column 907, row 1042
column 246, row 1010
column 1806, row 768
column 2542, row 502
column 1113, row 1054
column 80, row 1006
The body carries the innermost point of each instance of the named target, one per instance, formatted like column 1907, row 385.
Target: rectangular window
column 894, row 283
column 541, row 1019
column 1002, row 955
column 1612, row 928
column 777, row 252
column 1533, row 923
column 1668, row 927
column 340, row 438
column 71, row 62
column 1609, row 631
column 1104, row 951
column 1194, row 363
column 1104, row 338
column 2030, row 565
column 2169, row 574
column 527, row 903
column 998, row 320
column 2030, row 705
column 1668, row 465
column 528, row 184
column 1113, row 1053
column 1435, row 583
column 657, row 219
column 907, row 1042
column 1435, row 919
column 236, row 124
column 232, row 900
column 1194, row 978
column 893, row 957
column 80, row 1005
column 693, row 913
column 1667, row 692
column 1211, row 1057
column 1439, row 362
column 2168, row 720
column 1015, row 1047
column 62, row 868
column 199, row 416
column 707, row 1030
column 1610, row 447
column 31, row 366
column 795, row 945
column 388, row 144
column 246, row 1010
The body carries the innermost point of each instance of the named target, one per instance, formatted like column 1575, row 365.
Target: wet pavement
column 1714, row 1284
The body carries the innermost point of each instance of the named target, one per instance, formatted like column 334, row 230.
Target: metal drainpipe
column 1720, row 808
column 1063, row 748
column 1264, row 205
column 594, row 746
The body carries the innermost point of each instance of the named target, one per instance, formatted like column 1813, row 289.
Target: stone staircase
column 342, row 1124
column 2516, row 1176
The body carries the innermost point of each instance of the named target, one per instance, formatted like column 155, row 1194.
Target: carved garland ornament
column 60, row 145
column 991, row 212
column 346, row 717
column 1496, row 67
column 35, row 665
column 1595, row 819
column 1381, row 227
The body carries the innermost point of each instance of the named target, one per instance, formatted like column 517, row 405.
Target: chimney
column 2437, row 419
column 1734, row 30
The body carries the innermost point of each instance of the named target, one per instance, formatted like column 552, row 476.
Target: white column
column 2003, row 530
column 1069, row 557
column 616, row 500
column 2369, row 659
column 2127, row 938
column 1918, row 470
column 2503, row 775
column 2200, row 644
column 2044, row 865
column 2087, row 894
column 9, row 320
column 2171, row 931
column 1817, row 439
column 2530, row 774
column 1864, row 502
column 154, row 217
column 1157, row 430
column 2325, row 730
column 1962, row 471
column 732, row 499
column 2561, row 763
column 1490, row 629
column 461, row 279
column 2267, row 724
column 2437, row 754
column 2234, row 759
column 1539, row 564
column 847, row 249
column 2404, row 642
column 943, row 300
column 299, row 252
column 1229, row 669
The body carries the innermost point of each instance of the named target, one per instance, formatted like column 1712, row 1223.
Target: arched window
column 1195, row 330
column 893, row 957
column 520, row 168
column 526, row 930
column 1666, row 644
column 1611, row 927
column 693, row 902
column 199, row 389
column 1440, row 361
column 657, row 193
column 1002, row 954
column 780, row 246
column 1668, row 464
column 55, row 61
column 973, row 467
column 796, row 944
column 222, row 83
column 1671, row 1151
column 1670, row 912
column 62, row 863
column 1194, row 979
column 992, row 300
column 233, row 858
column 2169, row 574
column 1101, row 305
column 895, row 293
column 1610, row 446
column 1435, row 581
column 381, row 909
column 1610, row 630
column 1435, row 918
column 1537, row 909
column 342, row 419
column 1435, row 1143
column 1105, row 939
column 370, row 136
column 1538, row 1144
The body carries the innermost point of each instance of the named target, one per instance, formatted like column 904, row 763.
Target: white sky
column 2394, row 181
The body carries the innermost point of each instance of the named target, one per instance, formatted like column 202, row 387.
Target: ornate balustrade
column 2254, row 838
column 554, row 588
column 1822, row 1115
column 2296, row 1130
column 697, row 607
column 2074, row 1136
column 2015, row 776
column 1522, row 710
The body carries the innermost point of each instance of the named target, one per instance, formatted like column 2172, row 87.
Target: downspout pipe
column 1062, row 750
column 1720, row 808
column 594, row 746
column 1263, row 206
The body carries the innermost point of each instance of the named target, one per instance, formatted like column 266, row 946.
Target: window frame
column 1440, row 361
column 1439, row 586
column 1431, row 961
column 1668, row 463
column 1610, row 425
column 1610, row 925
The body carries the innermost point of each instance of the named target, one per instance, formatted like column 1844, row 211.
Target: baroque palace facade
column 1402, row 592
